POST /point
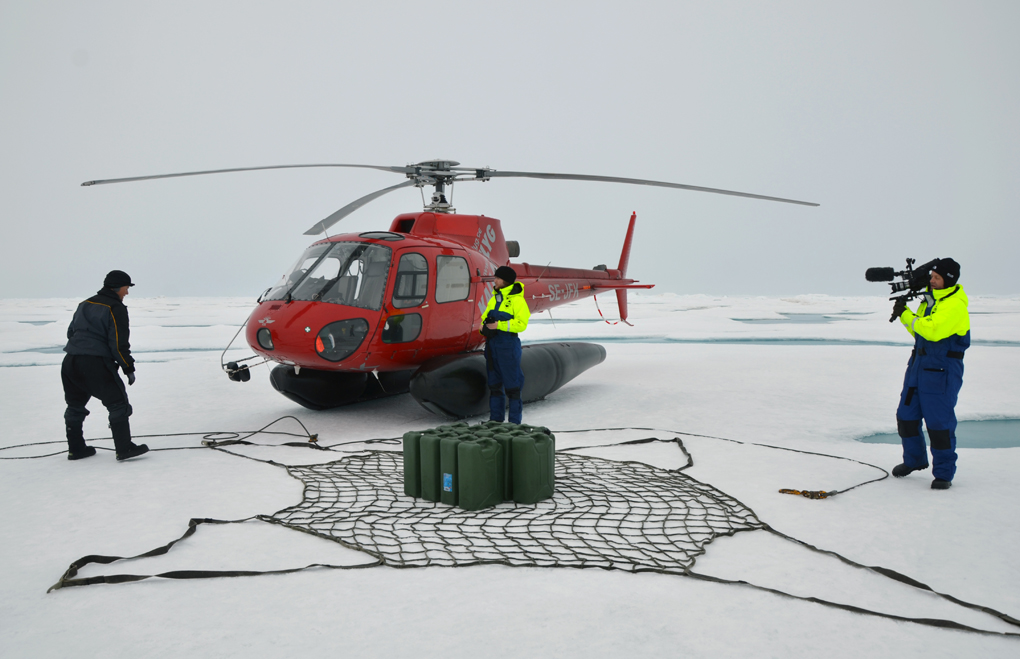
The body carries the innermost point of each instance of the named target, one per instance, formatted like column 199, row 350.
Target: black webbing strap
column 896, row 576
column 631, row 442
column 952, row 354
column 930, row 622
column 68, row 579
column 957, row 290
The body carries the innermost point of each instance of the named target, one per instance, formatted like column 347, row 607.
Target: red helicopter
column 360, row 316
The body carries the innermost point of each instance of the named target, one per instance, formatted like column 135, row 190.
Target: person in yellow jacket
column 941, row 331
column 506, row 316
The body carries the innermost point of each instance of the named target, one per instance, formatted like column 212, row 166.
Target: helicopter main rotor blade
column 398, row 170
column 321, row 227
column 440, row 173
column 638, row 181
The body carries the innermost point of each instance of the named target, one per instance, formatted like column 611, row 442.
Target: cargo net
column 613, row 515
column 604, row 513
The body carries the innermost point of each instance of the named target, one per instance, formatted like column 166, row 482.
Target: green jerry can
column 480, row 474
column 533, row 465
column 431, row 485
column 412, row 464
column 505, row 440
column 448, row 468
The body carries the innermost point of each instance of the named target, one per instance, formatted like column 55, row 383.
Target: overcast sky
column 899, row 118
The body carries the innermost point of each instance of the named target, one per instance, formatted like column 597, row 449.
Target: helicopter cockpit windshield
column 347, row 273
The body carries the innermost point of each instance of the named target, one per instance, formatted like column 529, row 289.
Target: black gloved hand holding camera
column 899, row 306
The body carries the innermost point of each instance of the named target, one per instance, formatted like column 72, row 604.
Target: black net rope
column 621, row 516
column 604, row 514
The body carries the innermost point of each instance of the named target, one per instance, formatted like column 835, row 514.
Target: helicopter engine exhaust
column 456, row 385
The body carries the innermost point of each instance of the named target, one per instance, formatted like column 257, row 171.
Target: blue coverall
column 503, row 351
column 941, row 330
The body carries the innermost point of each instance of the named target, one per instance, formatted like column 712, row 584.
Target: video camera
column 912, row 280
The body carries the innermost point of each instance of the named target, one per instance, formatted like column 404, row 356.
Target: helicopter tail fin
column 621, row 293
column 625, row 255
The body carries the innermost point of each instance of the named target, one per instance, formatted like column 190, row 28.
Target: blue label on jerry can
column 447, row 482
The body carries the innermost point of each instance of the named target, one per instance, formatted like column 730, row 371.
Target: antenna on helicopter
column 439, row 174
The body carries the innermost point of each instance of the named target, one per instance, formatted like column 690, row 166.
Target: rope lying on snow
column 215, row 439
column 822, row 494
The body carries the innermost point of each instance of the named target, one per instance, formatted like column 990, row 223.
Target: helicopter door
column 439, row 322
column 450, row 324
column 409, row 302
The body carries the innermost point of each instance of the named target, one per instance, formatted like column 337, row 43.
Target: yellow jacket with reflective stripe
column 948, row 316
column 514, row 304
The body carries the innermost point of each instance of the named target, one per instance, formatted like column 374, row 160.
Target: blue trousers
column 933, row 399
column 503, row 368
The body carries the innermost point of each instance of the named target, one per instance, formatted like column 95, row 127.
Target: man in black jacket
column 97, row 343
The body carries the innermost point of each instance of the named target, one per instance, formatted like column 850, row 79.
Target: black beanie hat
column 117, row 279
column 949, row 269
column 506, row 273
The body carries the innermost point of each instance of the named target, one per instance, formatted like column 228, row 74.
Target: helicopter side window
column 402, row 329
column 453, row 279
column 412, row 281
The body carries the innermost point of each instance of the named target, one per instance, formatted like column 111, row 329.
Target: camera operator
column 505, row 317
column 941, row 331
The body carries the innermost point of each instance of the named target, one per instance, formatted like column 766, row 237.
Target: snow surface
column 747, row 369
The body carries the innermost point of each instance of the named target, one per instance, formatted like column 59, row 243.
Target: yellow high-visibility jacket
column 514, row 304
column 948, row 316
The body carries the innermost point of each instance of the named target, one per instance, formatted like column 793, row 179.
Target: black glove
column 495, row 316
column 131, row 378
column 899, row 306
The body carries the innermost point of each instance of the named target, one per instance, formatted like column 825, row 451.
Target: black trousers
column 86, row 377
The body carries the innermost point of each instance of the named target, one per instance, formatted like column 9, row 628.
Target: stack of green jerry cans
column 476, row 467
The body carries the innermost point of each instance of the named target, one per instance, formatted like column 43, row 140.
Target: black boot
column 901, row 470
column 939, row 484
column 122, row 440
column 86, row 452
column 133, row 452
column 77, row 449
